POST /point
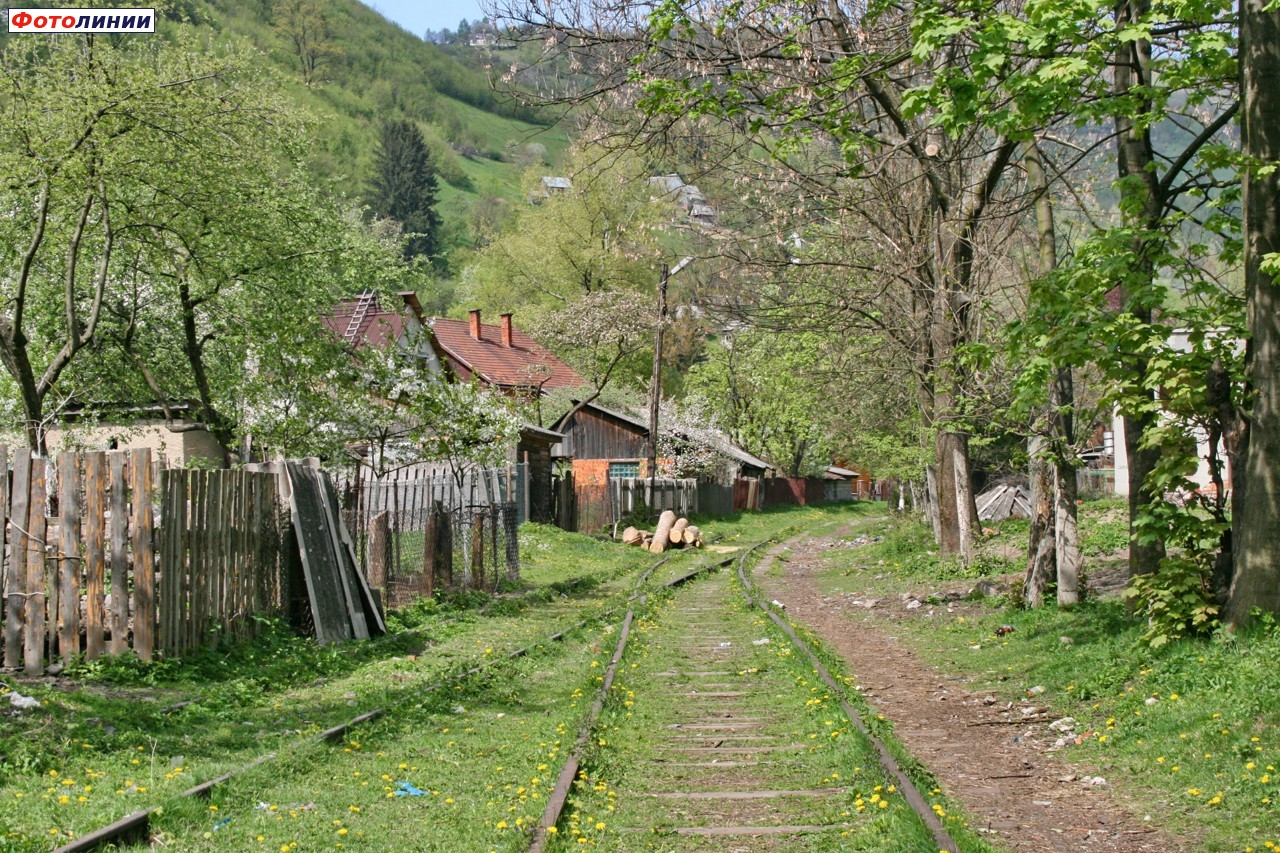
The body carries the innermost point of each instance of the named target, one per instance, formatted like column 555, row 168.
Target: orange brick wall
column 590, row 472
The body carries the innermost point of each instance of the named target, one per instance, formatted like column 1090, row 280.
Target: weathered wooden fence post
column 16, row 607
column 511, row 527
column 493, row 535
column 95, row 553
column 379, row 552
column 430, row 549
column 37, row 595
column 119, row 555
column 477, row 551
column 68, row 568
column 144, row 569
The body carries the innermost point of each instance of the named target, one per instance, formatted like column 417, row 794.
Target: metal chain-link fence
column 418, row 534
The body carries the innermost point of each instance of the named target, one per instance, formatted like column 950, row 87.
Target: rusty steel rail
column 569, row 771
column 888, row 762
column 136, row 826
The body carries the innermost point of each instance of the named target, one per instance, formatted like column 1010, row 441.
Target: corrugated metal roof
column 534, row 431
column 725, row 446
column 736, row 452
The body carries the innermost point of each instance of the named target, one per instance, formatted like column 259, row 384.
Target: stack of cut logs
column 671, row 532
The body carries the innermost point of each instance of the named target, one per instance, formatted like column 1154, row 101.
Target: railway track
column 735, row 737
column 136, row 827
column 714, row 726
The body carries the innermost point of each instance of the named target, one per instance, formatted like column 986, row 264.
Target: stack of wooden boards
column 342, row 605
column 1004, row 501
column 671, row 532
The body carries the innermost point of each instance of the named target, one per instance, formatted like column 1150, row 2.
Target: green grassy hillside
column 367, row 69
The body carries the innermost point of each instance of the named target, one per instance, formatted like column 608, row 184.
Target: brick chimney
column 475, row 323
column 506, row 330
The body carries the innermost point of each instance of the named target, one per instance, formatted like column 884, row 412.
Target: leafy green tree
column 830, row 150
column 1142, row 67
column 118, row 162
column 463, row 425
column 307, row 26
column 768, row 392
column 404, row 188
column 603, row 336
column 603, row 235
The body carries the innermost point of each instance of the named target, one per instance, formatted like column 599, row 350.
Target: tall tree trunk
column 1141, row 199
column 1066, row 535
column 948, row 509
column 1041, row 554
column 1144, row 558
column 33, row 417
column 1229, row 430
column 1257, row 576
column 966, row 506
column 193, row 349
column 1061, row 404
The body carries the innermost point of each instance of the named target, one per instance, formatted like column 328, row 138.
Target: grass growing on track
column 607, row 804
column 102, row 746
column 1202, row 759
column 485, row 757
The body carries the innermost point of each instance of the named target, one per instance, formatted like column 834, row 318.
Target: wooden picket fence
column 656, row 495
column 81, row 573
column 219, row 555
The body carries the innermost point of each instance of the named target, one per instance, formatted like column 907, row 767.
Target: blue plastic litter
column 221, row 823
column 408, row 790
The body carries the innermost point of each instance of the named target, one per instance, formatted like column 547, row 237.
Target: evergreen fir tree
column 404, row 188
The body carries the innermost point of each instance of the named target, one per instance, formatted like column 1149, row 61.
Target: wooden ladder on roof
column 366, row 300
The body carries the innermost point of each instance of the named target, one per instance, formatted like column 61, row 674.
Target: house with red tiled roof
column 499, row 355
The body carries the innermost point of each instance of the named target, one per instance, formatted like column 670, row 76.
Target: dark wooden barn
column 603, row 444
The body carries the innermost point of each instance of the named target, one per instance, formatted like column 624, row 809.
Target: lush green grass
column 485, row 754
column 106, row 743
column 1201, row 758
column 108, row 736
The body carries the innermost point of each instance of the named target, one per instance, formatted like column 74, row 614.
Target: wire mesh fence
column 417, row 532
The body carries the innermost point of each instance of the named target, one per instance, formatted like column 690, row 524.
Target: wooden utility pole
column 655, row 382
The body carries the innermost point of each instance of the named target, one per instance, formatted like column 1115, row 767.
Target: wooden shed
column 603, row 444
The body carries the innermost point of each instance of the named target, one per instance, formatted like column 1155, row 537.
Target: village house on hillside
column 687, row 197
column 498, row 356
column 365, row 322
